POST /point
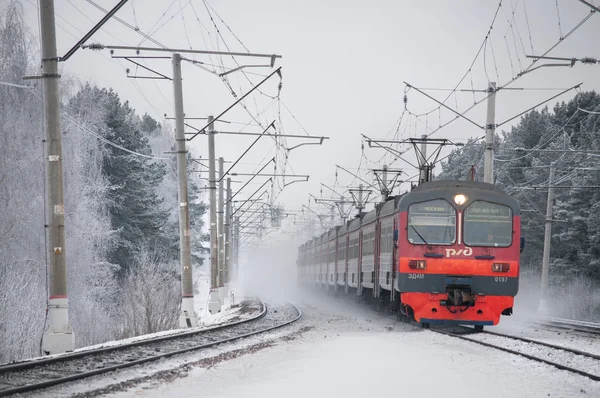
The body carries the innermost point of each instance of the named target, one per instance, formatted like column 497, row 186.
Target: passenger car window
column 431, row 222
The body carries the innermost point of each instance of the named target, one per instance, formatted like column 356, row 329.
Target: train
column 447, row 252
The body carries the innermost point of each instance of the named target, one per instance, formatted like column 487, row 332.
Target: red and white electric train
column 447, row 252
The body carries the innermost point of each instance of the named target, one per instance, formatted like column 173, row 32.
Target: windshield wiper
column 420, row 236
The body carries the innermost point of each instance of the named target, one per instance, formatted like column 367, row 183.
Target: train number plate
column 501, row 279
column 416, row 276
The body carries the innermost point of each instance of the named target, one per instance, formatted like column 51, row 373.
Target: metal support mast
column 188, row 316
column 547, row 240
column 214, row 303
column 386, row 192
column 425, row 167
column 59, row 336
column 228, row 226
column 360, row 205
column 490, row 127
column 236, row 258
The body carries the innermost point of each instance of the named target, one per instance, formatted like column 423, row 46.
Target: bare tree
column 151, row 297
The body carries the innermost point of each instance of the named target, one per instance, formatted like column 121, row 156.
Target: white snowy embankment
column 231, row 313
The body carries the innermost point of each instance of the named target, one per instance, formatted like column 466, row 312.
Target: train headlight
column 417, row 264
column 500, row 267
column 460, row 199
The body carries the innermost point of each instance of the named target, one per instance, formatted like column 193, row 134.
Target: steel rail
column 542, row 343
column 530, row 341
column 7, row 369
column 528, row 356
column 570, row 324
column 29, row 364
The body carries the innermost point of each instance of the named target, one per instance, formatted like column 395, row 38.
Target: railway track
column 36, row 375
column 564, row 358
column 570, row 324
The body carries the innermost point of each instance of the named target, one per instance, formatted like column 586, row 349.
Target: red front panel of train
column 448, row 280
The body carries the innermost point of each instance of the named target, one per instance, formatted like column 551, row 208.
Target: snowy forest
column 122, row 221
column 569, row 136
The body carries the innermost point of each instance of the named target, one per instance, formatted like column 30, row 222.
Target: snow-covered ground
column 524, row 325
column 339, row 348
column 342, row 348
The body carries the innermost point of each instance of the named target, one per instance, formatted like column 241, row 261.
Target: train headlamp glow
column 460, row 199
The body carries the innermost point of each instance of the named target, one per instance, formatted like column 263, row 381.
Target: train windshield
column 431, row 222
column 488, row 224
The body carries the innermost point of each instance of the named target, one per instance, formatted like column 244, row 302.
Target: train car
column 310, row 262
column 342, row 250
column 331, row 257
column 300, row 268
column 368, row 229
column 458, row 250
column 354, row 255
column 323, row 260
column 317, row 260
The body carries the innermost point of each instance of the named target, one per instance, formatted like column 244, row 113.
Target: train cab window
column 431, row 222
column 487, row 224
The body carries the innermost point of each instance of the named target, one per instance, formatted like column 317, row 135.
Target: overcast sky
column 344, row 63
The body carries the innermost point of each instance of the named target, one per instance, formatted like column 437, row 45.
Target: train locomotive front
column 458, row 253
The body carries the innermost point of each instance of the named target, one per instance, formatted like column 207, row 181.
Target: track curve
column 37, row 375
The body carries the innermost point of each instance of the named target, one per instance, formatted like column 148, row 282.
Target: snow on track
column 34, row 376
column 236, row 313
column 523, row 327
column 349, row 350
column 575, row 361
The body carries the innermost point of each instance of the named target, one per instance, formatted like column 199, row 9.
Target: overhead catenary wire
column 515, row 78
column 223, row 79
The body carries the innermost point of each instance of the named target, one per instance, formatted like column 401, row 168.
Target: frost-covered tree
column 120, row 203
column 22, row 219
column 93, row 287
column 163, row 142
column 23, row 288
column 150, row 297
column 137, row 214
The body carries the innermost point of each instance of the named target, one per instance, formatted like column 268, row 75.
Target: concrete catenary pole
column 236, row 260
column 490, row 127
column 59, row 336
column 228, row 237
column 188, row 317
column 214, row 302
column 547, row 240
column 232, row 247
column 424, row 172
column 221, row 228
